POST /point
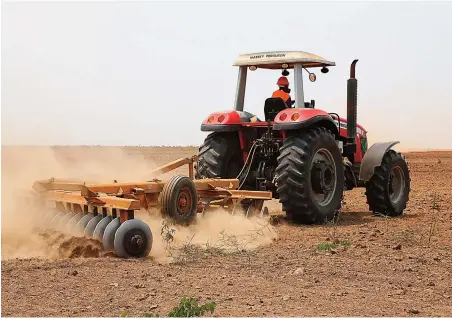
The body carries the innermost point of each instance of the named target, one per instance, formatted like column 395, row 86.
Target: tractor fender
column 373, row 158
column 225, row 121
column 301, row 118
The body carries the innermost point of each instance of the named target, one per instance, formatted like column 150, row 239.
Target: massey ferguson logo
column 253, row 57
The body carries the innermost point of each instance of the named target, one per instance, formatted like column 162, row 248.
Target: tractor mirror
column 312, row 77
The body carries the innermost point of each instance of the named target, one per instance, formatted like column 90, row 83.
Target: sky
column 148, row 73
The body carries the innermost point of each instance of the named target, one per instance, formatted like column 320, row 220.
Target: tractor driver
column 283, row 91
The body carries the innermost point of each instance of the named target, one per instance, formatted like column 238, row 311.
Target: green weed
column 330, row 246
column 188, row 307
column 326, row 246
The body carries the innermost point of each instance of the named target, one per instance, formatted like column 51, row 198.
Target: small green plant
column 326, row 246
column 123, row 314
column 330, row 246
column 346, row 243
column 188, row 307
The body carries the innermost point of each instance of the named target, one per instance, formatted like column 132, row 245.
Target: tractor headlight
column 285, row 65
column 253, row 67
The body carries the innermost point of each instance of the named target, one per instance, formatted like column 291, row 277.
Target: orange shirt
column 281, row 94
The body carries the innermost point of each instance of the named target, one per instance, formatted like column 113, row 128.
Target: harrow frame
column 123, row 200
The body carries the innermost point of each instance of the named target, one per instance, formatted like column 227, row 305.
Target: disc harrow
column 107, row 212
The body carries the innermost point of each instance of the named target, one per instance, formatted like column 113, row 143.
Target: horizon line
column 408, row 149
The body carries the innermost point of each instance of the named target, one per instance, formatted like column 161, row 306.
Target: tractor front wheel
column 310, row 176
column 388, row 190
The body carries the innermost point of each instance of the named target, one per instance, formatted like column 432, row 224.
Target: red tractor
column 305, row 156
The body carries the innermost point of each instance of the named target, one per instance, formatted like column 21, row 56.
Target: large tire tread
column 377, row 188
column 293, row 181
column 215, row 155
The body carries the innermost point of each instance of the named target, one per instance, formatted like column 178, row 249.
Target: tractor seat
column 272, row 107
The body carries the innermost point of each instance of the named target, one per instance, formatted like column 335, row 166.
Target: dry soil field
column 397, row 267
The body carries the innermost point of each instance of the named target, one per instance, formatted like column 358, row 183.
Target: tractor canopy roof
column 277, row 59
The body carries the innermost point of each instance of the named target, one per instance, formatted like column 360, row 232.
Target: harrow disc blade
column 70, row 227
column 56, row 219
column 91, row 226
column 133, row 239
column 99, row 230
column 80, row 227
column 64, row 221
column 109, row 234
column 48, row 218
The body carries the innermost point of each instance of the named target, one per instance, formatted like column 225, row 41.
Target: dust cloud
column 216, row 229
column 22, row 165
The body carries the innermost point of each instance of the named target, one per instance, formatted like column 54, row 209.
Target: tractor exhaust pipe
column 352, row 93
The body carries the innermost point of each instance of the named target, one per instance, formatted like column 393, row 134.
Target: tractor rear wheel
column 310, row 176
column 388, row 190
column 220, row 156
